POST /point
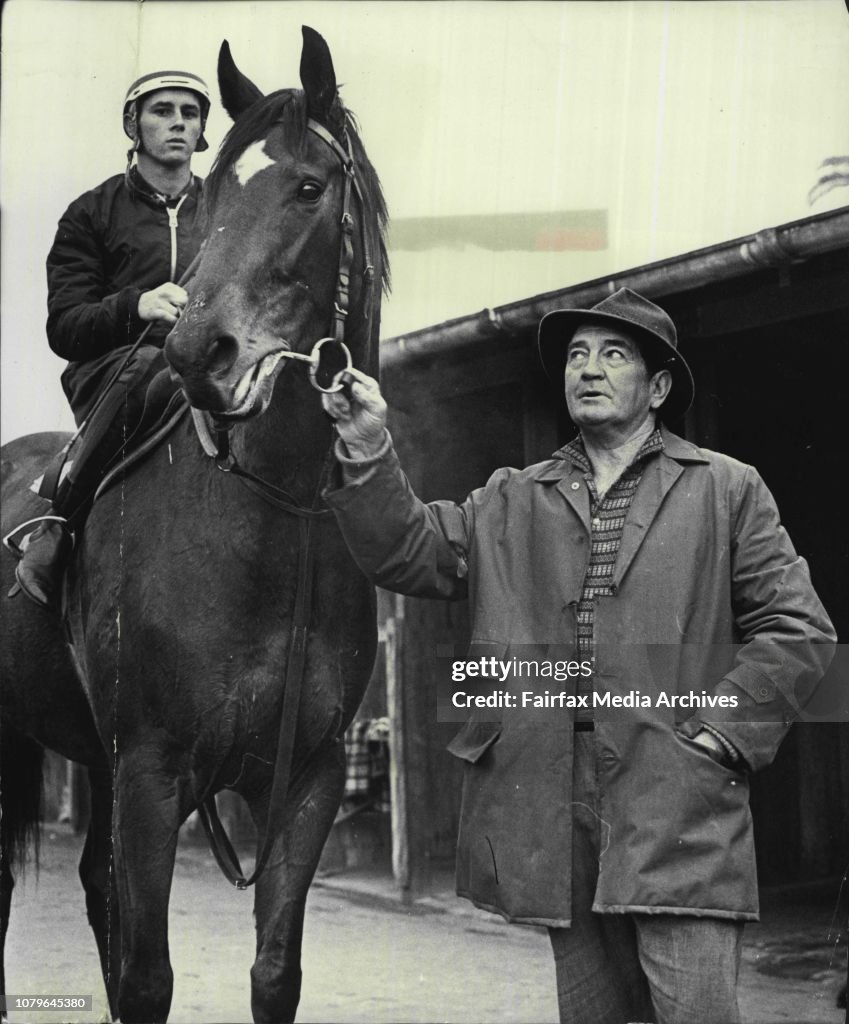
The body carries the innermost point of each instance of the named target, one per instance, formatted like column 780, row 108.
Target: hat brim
column 555, row 333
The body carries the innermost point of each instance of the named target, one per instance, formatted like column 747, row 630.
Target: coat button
column 575, row 485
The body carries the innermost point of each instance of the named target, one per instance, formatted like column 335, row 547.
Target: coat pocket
column 697, row 750
column 681, row 834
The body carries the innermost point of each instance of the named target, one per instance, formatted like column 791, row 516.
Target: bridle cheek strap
column 341, row 304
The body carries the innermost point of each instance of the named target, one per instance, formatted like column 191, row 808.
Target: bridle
column 330, row 358
column 332, row 350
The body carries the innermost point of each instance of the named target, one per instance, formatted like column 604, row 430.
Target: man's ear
column 131, row 127
column 660, row 385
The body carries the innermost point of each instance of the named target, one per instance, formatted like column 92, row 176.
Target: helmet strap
column 131, row 129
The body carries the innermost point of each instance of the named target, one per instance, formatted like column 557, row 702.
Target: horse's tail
column 21, row 771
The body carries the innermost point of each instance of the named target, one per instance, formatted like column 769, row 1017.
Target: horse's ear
column 237, row 92
column 319, row 79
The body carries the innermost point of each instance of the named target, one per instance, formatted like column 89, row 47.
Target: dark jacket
column 113, row 243
column 709, row 594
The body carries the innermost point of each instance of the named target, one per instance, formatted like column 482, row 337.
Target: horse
column 221, row 635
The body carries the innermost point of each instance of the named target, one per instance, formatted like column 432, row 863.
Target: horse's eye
column 310, row 191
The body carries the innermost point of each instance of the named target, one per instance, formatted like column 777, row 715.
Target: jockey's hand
column 360, row 414
column 163, row 303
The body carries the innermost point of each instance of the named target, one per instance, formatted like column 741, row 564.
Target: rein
column 218, row 448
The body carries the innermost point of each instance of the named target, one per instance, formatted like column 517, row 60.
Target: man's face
column 607, row 383
column 170, row 126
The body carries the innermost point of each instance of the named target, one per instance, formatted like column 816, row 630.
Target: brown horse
column 197, row 597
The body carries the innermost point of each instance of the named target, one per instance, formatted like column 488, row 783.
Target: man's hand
column 360, row 414
column 163, row 303
column 712, row 746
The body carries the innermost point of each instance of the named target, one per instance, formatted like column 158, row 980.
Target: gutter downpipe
column 772, row 247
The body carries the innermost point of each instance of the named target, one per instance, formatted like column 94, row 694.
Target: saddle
column 160, row 415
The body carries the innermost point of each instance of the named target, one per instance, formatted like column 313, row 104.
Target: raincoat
column 709, row 599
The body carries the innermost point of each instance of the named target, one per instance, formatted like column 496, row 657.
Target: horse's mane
column 288, row 107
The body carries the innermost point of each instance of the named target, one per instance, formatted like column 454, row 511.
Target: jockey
column 111, row 273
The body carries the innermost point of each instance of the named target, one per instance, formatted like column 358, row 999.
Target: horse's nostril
column 194, row 354
column 223, row 352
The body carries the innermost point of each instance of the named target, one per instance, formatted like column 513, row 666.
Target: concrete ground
column 368, row 958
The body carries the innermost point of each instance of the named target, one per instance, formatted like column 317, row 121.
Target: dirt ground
column 369, row 959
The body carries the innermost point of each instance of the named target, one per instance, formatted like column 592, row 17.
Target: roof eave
column 794, row 242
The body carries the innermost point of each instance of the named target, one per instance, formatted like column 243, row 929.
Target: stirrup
column 14, row 546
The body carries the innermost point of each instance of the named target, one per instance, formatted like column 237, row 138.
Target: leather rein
column 219, row 449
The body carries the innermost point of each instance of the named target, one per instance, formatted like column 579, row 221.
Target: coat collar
column 140, row 187
column 674, row 447
column 679, row 449
column 659, row 476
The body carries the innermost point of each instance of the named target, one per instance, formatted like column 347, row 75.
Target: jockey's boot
column 45, row 552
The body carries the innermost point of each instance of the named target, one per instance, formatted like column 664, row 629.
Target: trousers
column 629, row 968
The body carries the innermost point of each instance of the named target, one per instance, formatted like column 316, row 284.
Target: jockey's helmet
column 165, row 80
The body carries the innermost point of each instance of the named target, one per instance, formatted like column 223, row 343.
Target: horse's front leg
column 281, row 892
column 146, row 827
column 100, row 891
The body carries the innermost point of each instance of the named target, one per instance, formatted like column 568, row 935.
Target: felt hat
column 650, row 326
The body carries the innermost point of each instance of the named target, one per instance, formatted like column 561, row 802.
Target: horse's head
column 278, row 261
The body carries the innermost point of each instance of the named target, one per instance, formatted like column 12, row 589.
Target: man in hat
column 112, row 274
column 618, row 817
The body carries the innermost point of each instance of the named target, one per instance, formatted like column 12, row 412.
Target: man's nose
column 592, row 368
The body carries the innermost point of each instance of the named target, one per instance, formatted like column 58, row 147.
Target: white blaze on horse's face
column 251, row 162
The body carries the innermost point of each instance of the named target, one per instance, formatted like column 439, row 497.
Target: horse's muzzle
column 205, row 361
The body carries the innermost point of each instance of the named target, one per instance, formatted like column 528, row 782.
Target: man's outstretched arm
column 399, row 542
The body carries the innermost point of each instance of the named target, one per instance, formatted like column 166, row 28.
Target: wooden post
column 393, row 630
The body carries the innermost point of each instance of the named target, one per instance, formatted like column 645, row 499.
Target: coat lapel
column 658, row 477
column 578, row 498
